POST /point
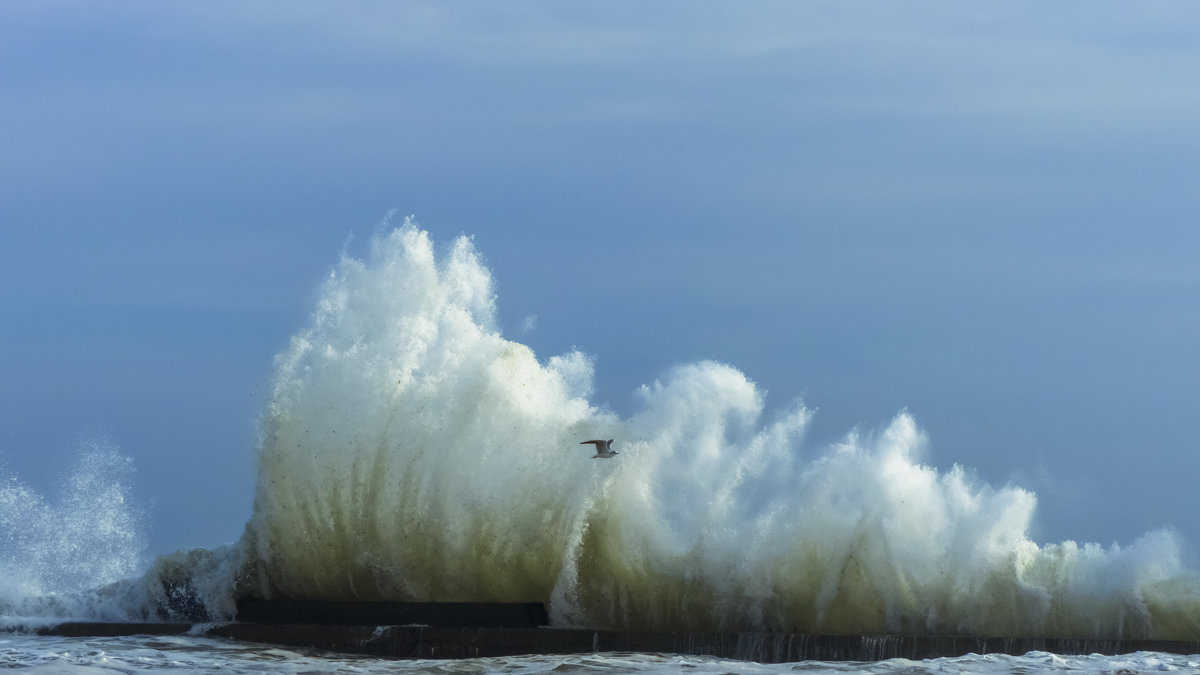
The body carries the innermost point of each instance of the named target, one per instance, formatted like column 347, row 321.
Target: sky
column 984, row 214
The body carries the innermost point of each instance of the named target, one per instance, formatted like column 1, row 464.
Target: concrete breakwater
column 432, row 642
column 467, row 630
column 443, row 614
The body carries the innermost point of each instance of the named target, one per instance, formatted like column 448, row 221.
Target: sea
column 411, row 452
column 203, row 655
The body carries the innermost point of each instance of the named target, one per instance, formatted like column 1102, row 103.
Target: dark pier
column 469, row 630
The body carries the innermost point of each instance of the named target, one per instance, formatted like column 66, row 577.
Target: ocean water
column 410, row 451
column 201, row 655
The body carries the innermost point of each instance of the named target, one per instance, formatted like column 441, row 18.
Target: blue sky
column 985, row 214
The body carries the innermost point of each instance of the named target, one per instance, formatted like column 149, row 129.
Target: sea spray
column 80, row 554
column 409, row 447
column 411, row 452
column 56, row 550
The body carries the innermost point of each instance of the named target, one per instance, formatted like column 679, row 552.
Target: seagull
column 603, row 448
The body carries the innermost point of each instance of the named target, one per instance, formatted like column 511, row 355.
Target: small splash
column 88, row 534
column 80, row 554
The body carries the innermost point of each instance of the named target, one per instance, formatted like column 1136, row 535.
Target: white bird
column 603, row 448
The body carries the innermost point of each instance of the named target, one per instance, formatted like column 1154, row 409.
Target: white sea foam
column 137, row 654
column 412, row 452
column 57, row 550
column 80, row 554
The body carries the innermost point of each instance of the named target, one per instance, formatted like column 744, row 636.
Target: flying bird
column 603, row 448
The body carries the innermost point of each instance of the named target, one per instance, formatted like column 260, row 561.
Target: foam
column 411, row 452
column 56, row 549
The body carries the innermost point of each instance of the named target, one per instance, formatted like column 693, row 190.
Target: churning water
column 105, row 656
column 412, row 452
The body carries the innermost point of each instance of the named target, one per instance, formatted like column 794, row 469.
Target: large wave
column 411, row 452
